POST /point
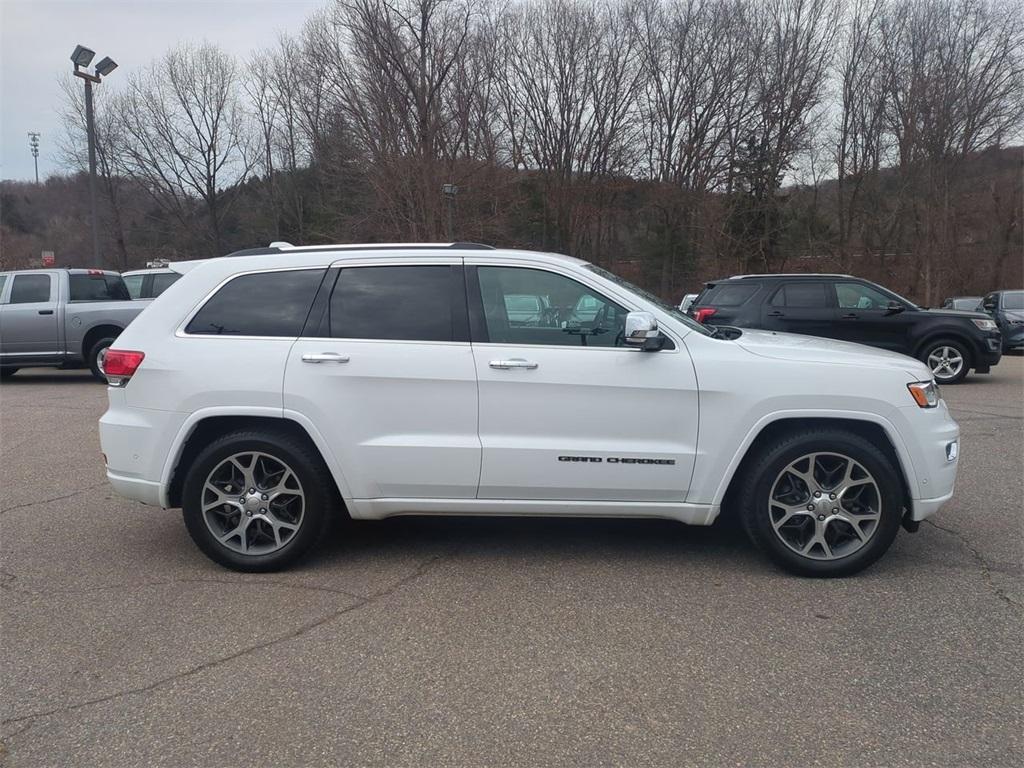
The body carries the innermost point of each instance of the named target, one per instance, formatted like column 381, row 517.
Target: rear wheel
column 824, row 503
column 96, row 355
column 948, row 360
column 6, row 373
column 256, row 501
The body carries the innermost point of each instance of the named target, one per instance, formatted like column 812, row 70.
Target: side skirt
column 377, row 509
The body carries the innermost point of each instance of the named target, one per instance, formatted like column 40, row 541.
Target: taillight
column 704, row 313
column 119, row 365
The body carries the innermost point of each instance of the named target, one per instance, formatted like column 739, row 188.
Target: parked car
column 149, row 283
column 687, row 301
column 265, row 393
column 967, row 303
column 62, row 318
column 950, row 342
column 1007, row 310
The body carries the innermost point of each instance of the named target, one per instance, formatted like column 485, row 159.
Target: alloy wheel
column 946, row 362
column 824, row 506
column 253, row 503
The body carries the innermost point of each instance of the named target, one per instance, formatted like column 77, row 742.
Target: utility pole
column 33, row 143
column 82, row 58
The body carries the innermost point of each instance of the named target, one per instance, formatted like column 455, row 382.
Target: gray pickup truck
column 62, row 318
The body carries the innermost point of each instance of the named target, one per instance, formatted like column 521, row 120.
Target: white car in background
column 688, row 299
column 265, row 392
column 149, row 283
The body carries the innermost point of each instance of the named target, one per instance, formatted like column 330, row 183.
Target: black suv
column 950, row 342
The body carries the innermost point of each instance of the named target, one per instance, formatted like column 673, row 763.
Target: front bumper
column 934, row 431
column 988, row 351
column 1013, row 337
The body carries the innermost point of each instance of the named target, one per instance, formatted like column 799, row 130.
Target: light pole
column 33, row 143
column 82, row 57
column 449, row 191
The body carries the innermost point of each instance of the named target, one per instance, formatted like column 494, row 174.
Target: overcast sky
column 37, row 37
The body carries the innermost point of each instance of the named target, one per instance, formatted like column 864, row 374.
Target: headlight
column 925, row 393
column 984, row 325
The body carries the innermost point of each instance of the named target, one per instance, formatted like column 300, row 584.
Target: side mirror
column 894, row 307
column 989, row 306
column 642, row 331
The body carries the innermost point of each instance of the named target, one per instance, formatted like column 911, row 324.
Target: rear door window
column 30, row 289
column 260, row 304
column 400, row 303
column 726, row 295
column 802, row 294
column 98, row 288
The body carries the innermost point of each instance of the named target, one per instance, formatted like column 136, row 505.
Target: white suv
column 267, row 391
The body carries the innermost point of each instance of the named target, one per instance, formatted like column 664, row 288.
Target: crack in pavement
column 93, row 487
column 169, row 582
column 986, row 570
column 418, row 572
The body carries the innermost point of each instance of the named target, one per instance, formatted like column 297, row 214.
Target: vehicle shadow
column 49, row 376
column 539, row 538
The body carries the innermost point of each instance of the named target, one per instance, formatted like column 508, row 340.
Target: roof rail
column 786, row 274
column 280, row 246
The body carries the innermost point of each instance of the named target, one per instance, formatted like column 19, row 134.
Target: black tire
column 760, row 475
column 94, row 357
column 313, row 477
column 961, row 350
column 6, row 373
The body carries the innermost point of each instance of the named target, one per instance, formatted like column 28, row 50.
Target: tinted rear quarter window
column 162, row 281
column 261, row 304
column 98, row 288
column 726, row 295
column 30, row 289
column 407, row 303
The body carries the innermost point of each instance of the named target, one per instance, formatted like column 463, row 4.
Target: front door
column 865, row 317
column 28, row 321
column 388, row 378
column 566, row 411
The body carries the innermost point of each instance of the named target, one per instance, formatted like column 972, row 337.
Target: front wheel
column 948, row 360
column 823, row 503
column 256, row 501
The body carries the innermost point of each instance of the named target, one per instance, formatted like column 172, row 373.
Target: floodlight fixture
column 106, row 66
column 82, row 56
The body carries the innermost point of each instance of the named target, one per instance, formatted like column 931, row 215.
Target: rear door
column 28, row 321
column 801, row 306
column 385, row 371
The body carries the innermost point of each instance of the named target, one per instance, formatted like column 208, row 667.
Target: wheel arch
column 96, row 333
column 198, row 431
column 951, row 335
column 877, row 430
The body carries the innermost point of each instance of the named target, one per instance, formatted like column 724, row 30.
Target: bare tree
column 187, row 134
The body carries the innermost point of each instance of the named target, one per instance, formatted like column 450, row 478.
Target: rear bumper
column 135, row 443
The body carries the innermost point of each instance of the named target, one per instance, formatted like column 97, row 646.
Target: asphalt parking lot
column 470, row 642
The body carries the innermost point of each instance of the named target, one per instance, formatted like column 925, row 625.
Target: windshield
column 1013, row 300
column 686, row 320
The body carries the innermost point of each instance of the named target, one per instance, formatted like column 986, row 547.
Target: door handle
column 776, row 313
column 324, row 357
column 849, row 316
column 516, row 362
column 45, row 311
